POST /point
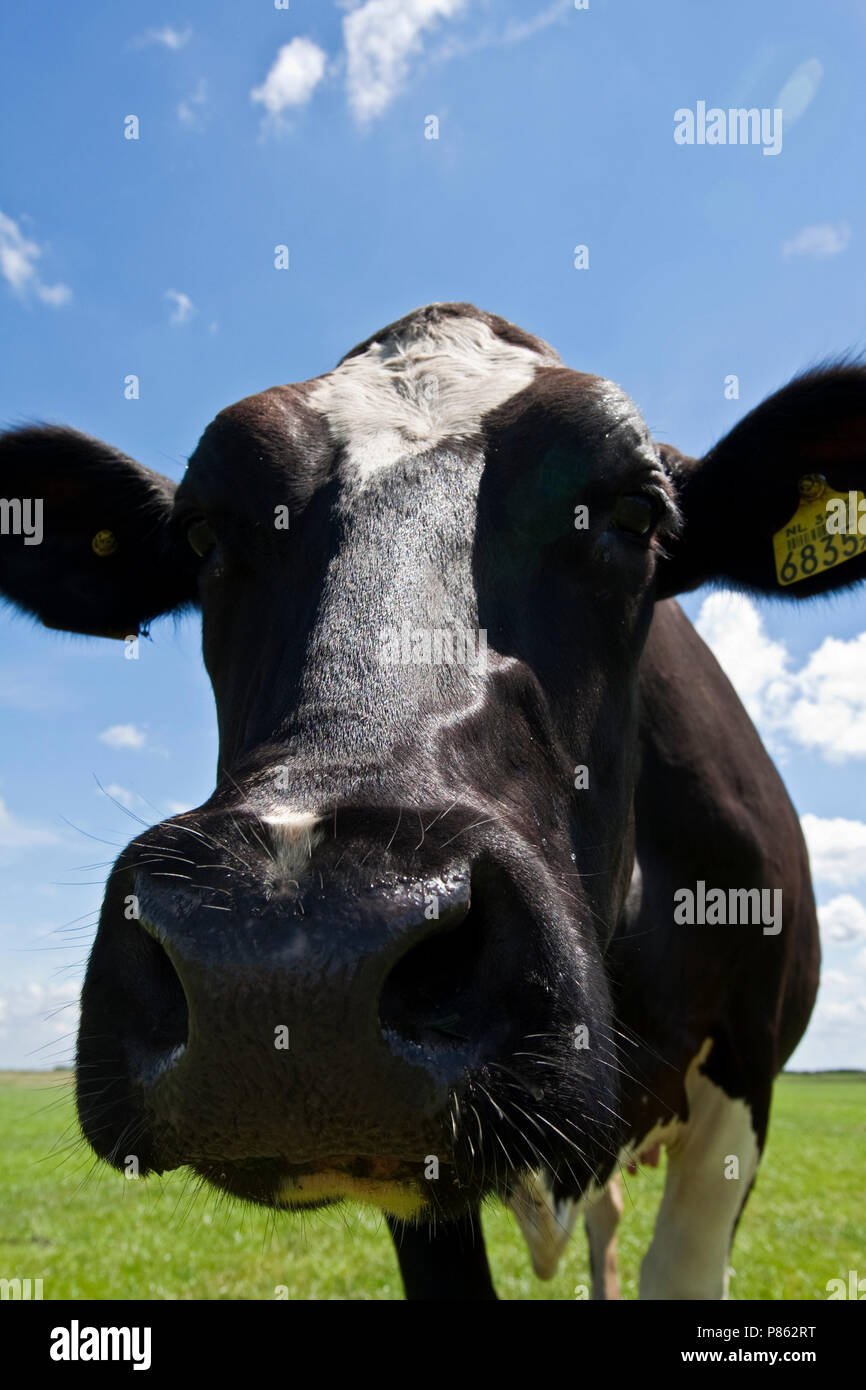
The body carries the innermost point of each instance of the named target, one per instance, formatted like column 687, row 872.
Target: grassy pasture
column 89, row 1233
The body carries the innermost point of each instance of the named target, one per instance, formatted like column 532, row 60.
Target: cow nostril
column 162, row 1030
column 430, row 996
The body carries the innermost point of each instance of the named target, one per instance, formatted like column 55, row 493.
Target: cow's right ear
column 86, row 543
column 753, row 508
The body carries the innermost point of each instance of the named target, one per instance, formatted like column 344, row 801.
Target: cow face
column 371, row 964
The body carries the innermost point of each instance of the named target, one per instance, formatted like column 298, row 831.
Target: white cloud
column 37, row 1024
column 821, row 706
column 733, row 628
column 183, row 306
column 843, row 923
column 124, row 736
column 297, row 70
column 842, row 1010
column 836, row 1035
column 18, row 257
column 828, row 711
column 837, row 849
column 834, row 977
column 14, row 834
column 167, row 37
column 177, row 808
column 518, row 30
column 799, row 91
column 819, row 241
column 55, row 295
column 190, row 111
column 381, row 37
column 515, row 31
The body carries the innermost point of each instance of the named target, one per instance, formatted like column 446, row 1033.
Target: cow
column 423, row 945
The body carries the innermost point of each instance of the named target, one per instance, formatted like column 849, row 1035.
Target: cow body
column 711, row 1014
column 420, row 946
column 706, row 1018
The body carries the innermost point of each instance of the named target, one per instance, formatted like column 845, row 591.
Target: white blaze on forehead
column 410, row 391
column 293, row 823
column 294, row 835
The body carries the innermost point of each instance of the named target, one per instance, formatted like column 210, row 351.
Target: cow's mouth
column 394, row 1185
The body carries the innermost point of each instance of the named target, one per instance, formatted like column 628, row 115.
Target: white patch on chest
column 664, row 1132
column 409, row 392
column 547, row 1224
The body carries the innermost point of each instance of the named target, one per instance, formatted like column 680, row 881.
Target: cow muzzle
column 292, row 1047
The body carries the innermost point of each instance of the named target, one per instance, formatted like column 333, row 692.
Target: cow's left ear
column 755, row 508
column 86, row 543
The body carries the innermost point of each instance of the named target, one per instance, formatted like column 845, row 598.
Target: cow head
column 371, row 964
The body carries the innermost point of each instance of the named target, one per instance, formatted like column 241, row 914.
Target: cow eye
column 201, row 537
column 635, row 514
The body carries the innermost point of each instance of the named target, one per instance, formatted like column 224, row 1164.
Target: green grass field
column 89, row 1233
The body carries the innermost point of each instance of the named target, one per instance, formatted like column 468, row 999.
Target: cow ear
column 755, row 508
column 85, row 539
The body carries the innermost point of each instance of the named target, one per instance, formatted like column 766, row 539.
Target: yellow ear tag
column 104, row 543
column 823, row 532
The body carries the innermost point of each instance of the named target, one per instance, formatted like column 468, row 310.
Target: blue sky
column 305, row 127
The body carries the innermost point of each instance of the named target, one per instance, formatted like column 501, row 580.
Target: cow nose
column 397, row 967
column 350, row 1021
